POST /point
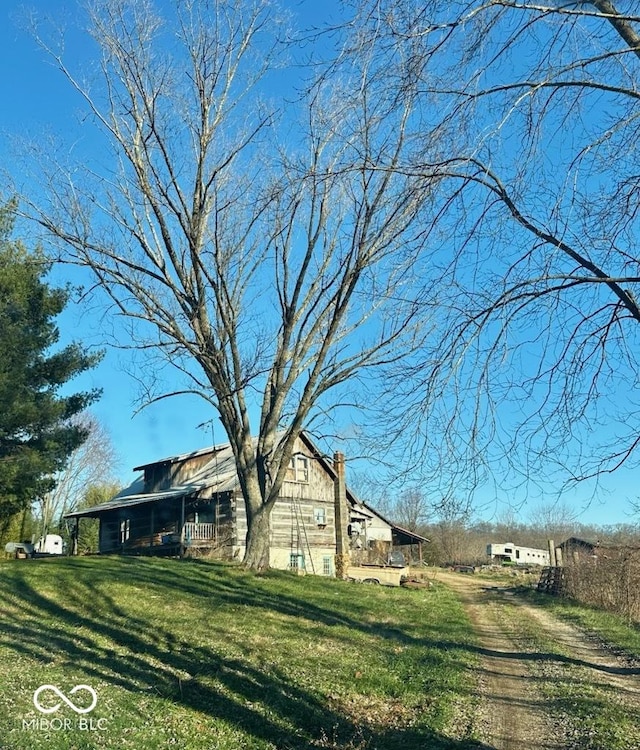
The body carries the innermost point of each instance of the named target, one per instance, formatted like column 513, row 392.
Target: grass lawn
column 198, row 655
column 598, row 715
column 613, row 629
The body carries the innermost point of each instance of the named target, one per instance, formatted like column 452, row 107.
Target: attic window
column 320, row 516
column 298, row 470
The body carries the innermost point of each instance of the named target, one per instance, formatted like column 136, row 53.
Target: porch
column 123, row 536
column 198, row 534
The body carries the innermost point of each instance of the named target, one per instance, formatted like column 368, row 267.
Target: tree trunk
column 256, row 556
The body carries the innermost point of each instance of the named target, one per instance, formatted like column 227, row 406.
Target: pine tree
column 36, row 435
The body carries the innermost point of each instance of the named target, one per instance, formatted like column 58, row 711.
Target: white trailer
column 51, row 544
column 511, row 553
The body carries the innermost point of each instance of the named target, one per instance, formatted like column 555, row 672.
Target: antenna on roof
column 202, row 425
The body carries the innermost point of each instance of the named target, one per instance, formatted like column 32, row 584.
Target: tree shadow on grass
column 87, row 628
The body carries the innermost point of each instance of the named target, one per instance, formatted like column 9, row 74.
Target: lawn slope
column 205, row 656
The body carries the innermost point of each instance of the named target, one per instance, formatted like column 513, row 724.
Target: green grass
column 596, row 716
column 194, row 655
column 613, row 629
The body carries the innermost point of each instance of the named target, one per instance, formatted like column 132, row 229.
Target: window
column 296, row 561
column 125, row 530
column 326, row 566
column 298, row 469
column 320, row 516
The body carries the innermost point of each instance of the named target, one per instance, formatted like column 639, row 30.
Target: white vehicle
column 511, row 553
column 51, row 544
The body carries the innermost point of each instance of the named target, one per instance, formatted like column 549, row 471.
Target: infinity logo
column 54, row 689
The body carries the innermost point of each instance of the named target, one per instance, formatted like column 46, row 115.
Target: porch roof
column 217, row 475
column 124, row 502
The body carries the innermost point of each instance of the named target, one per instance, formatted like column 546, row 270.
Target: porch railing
column 198, row 532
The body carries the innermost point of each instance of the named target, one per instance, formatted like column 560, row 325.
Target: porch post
column 182, row 529
column 75, row 531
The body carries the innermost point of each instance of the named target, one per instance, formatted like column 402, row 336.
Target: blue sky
column 37, row 100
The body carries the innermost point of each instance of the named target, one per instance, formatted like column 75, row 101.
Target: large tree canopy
column 36, row 434
column 534, row 368
column 270, row 275
column 464, row 168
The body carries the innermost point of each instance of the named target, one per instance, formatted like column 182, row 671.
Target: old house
column 192, row 504
column 603, row 575
column 574, row 550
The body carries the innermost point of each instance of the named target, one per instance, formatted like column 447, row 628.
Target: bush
column 610, row 581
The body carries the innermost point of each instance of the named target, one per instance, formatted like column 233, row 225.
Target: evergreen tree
column 36, row 434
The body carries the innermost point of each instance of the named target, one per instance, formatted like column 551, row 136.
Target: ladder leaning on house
column 298, row 518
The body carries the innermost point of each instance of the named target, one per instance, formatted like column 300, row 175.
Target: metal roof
column 217, row 475
column 404, row 536
column 184, row 456
column 120, row 501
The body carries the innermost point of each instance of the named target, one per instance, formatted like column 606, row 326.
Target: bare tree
column 535, row 228
column 93, row 463
column 555, row 521
column 268, row 276
column 411, row 509
column 450, row 533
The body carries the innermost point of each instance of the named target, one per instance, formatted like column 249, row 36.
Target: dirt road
column 514, row 707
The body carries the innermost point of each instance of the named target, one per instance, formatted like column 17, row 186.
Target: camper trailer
column 511, row 553
column 51, row 544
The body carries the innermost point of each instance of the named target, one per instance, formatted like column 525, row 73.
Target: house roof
column 404, row 536
column 184, row 456
column 575, row 542
column 219, row 474
column 124, row 501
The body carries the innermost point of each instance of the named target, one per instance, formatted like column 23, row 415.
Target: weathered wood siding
column 303, row 531
column 376, row 530
column 302, row 520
